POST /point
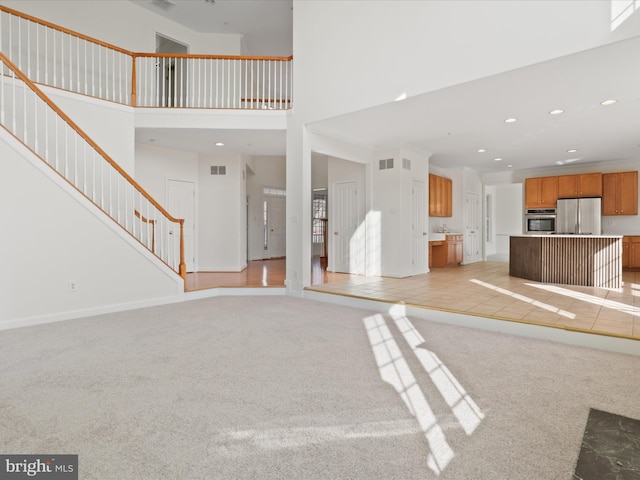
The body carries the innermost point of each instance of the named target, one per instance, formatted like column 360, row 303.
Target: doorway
column 171, row 72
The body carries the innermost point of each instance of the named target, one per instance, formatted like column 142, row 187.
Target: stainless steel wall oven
column 540, row 221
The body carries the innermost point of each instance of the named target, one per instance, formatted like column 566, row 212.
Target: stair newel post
column 183, row 266
column 133, row 81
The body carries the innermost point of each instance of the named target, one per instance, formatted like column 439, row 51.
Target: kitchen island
column 590, row 260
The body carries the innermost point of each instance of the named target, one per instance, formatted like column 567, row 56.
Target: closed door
column 344, row 222
column 473, row 218
column 276, row 227
column 181, row 203
column 420, row 240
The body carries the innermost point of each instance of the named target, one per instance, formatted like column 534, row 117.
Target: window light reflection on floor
column 394, row 370
column 603, row 302
column 524, row 298
column 462, row 405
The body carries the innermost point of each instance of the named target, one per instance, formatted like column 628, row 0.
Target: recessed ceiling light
column 481, row 150
column 572, row 150
column 497, row 159
column 509, row 165
column 608, row 102
column 510, row 120
column 557, row 111
column 219, row 144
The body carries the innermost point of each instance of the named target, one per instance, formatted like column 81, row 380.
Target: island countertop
column 590, row 260
column 568, row 235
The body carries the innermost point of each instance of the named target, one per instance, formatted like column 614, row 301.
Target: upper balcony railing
column 58, row 57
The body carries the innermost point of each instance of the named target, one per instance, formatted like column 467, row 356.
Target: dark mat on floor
column 610, row 448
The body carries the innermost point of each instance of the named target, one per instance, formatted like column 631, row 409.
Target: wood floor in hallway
column 483, row 288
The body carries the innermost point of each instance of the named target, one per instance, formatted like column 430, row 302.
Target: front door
column 276, row 226
column 181, row 203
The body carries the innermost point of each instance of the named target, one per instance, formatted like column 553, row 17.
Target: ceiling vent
column 164, row 4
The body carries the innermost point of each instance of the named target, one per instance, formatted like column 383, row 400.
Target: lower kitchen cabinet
column 631, row 251
column 446, row 253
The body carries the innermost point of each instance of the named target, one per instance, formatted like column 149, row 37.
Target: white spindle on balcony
column 33, row 119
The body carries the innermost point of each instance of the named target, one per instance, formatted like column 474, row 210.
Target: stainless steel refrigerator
column 581, row 216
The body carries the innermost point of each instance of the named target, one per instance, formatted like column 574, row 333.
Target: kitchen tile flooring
column 483, row 288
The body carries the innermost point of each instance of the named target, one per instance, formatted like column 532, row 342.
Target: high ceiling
column 267, row 25
column 454, row 123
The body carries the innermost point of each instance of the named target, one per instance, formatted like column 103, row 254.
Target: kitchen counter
column 590, row 260
column 568, row 235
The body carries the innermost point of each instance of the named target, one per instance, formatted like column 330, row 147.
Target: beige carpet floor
column 285, row 388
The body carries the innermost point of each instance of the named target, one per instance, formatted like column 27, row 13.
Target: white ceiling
column 453, row 123
column 267, row 25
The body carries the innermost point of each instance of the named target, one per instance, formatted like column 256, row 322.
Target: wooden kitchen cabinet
column 577, row 186
column 620, row 193
column 541, row 192
column 448, row 252
column 633, row 249
column 440, row 196
column 454, row 249
column 625, row 252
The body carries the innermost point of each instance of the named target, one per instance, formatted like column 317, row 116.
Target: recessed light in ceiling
column 497, row 159
column 509, row 165
column 557, row 111
column 210, row 2
column 481, row 150
column 219, row 144
column 510, row 120
column 572, row 150
column 608, row 102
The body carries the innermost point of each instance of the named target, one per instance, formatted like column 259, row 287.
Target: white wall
column 54, row 240
column 380, row 50
column 507, row 214
column 267, row 171
column 108, row 124
column 222, row 243
column 124, row 24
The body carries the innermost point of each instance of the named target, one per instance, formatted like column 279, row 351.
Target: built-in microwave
column 540, row 221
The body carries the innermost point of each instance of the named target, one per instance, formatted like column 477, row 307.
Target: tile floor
column 483, row 288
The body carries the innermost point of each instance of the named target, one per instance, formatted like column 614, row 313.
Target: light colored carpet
column 285, row 388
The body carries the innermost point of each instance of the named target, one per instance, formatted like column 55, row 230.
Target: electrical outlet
column 73, row 286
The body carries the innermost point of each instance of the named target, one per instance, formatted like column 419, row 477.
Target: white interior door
column 419, row 238
column 344, row 224
column 181, row 203
column 276, row 224
column 473, row 219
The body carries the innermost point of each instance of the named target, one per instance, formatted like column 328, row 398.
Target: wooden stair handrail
column 206, row 56
column 105, row 156
column 85, row 137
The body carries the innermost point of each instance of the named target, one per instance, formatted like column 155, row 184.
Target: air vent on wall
column 218, row 170
column 406, row 164
column 385, row 164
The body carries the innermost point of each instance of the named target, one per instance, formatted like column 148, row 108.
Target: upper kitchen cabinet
column 541, row 192
column 440, row 196
column 583, row 185
column 620, row 193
